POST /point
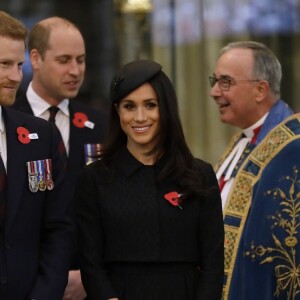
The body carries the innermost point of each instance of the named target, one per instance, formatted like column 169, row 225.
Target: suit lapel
column 22, row 104
column 17, row 172
column 76, row 142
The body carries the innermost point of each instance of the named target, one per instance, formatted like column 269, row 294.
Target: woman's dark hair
column 180, row 165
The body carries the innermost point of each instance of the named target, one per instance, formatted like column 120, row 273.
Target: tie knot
column 53, row 111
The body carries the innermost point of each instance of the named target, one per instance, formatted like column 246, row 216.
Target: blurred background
column 185, row 36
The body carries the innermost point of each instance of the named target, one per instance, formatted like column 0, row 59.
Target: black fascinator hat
column 131, row 76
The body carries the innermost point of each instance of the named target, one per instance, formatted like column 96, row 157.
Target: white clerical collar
column 39, row 105
column 250, row 131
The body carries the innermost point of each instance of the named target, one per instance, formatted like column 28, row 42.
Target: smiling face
column 239, row 106
column 12, row 55
column 139, row 119
column 59, row 73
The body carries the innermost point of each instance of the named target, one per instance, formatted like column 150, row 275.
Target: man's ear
column 262, row 90
column 35, row 57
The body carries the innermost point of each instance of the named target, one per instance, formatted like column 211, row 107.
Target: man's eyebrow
column 225, row 76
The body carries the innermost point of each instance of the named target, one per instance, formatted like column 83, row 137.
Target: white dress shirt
column 40, row 109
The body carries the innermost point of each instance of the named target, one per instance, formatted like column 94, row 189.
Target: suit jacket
column 35, row 239
column 78, row 138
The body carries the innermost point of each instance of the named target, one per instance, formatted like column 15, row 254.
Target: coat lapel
column 17, row 171
column 75, row 158
column 22, row 104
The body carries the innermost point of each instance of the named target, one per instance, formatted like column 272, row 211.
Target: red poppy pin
column 80, row 120
column 173, row 198
column 24, row 136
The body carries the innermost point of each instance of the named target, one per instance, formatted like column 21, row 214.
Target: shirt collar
column 39, row 105
column 251, row 131
column 128, row 162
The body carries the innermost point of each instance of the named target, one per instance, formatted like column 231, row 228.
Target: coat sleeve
column 211, row 234
column 91, row 238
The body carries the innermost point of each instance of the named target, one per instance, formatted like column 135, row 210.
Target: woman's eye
column 128, row 106
column 151, row 105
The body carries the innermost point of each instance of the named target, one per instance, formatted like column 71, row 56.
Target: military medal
column 91, row 152
column 41, row 175
column 48, row 171
column 32, row 176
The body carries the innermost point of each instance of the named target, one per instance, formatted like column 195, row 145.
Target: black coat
column 123, row 217
column 78, row 137
column 35, row 241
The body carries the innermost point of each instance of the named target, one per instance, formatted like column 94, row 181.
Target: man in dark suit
column 35, row 225
column 57, row 55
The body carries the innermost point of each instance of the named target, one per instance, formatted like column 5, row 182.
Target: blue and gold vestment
column 262, row 215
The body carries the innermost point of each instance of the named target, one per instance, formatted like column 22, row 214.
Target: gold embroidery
column 228, row 149
column 288, row 271
column 230, row 237
column 239, row 199
column 279, row 136
column 240, row 195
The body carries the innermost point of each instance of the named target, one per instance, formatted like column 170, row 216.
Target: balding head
column 40, row 33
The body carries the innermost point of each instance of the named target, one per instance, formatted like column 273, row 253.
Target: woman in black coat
column 150, row 220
